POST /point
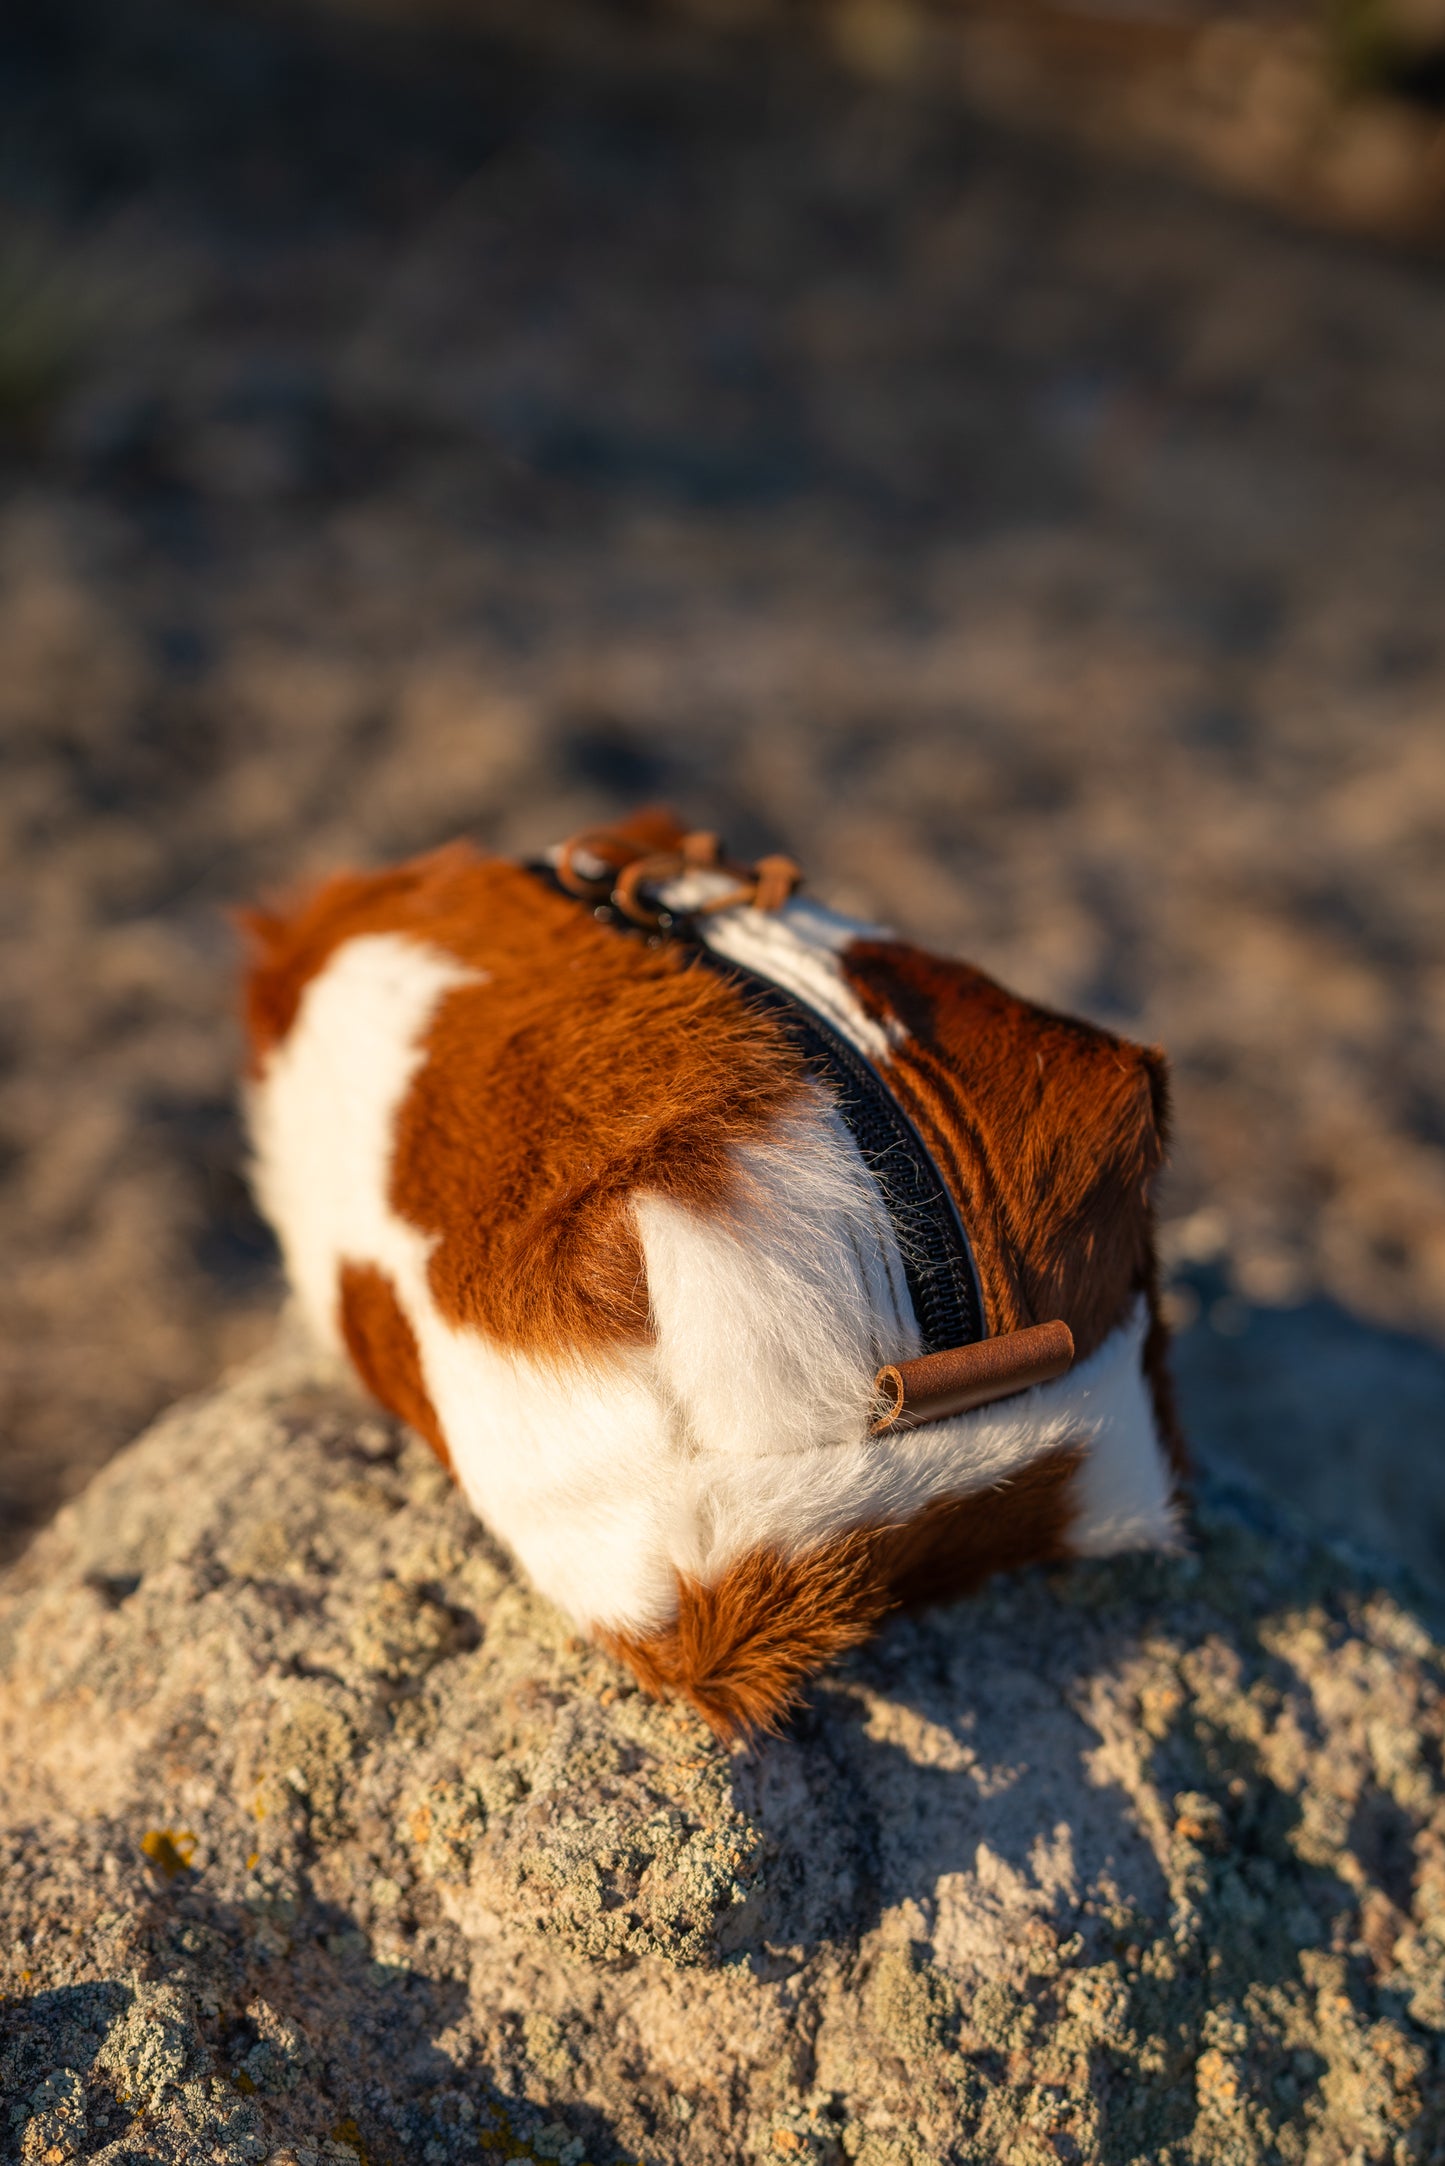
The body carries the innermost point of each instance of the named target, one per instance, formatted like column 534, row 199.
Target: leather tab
column 963, row 1377
column 778, row 879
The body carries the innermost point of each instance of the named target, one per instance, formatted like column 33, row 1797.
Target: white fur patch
column 323, row 1116
column 773, row 1321
column 1124, row 1490
column 798, row 948
column 746, row 1422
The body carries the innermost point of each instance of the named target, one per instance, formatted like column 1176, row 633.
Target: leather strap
column 937, row 1261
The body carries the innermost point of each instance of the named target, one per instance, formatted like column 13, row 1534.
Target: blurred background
column 996, row 452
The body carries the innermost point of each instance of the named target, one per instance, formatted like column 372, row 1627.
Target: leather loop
column 777, row 879
column 766, row 886
column 627, row 892
column 963, row 1377
column 625, row 870
column 610, row 852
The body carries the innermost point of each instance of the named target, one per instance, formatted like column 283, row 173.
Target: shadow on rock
column 217, row 2038
column 1339, row 1419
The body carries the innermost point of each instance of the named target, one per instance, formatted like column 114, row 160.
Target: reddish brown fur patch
column 1048, row 1131
column 742, row 1649
column 383, row 1346
column 959, row 1542
column 583, row 1068
column 292, row 941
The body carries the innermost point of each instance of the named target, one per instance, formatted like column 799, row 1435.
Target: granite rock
column 324, row 1838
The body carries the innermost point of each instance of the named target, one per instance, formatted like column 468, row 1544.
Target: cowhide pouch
column 752, row 1270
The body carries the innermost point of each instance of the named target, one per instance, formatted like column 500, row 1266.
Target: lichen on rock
column 1134, row 1862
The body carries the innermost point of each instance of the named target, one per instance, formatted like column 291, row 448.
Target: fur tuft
column 742, row 1648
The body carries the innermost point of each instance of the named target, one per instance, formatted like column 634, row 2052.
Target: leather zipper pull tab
column 963, row 1377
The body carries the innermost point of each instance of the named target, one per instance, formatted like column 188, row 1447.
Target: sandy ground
column 408, row 437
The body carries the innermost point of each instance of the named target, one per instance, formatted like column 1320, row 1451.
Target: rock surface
column 323, row 1838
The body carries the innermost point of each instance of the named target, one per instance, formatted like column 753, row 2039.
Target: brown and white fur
column 580, row 1215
